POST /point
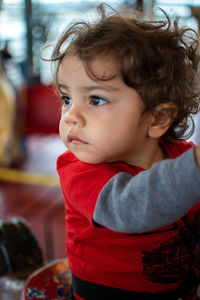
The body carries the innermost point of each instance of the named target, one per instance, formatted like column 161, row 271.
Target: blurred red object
column 52, row 281
column 42, row 109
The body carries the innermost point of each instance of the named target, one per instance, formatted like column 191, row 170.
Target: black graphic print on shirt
column 170, row 262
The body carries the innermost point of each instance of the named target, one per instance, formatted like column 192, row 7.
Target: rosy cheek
column 61, row 128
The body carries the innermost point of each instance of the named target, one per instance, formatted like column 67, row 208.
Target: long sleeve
column 152, row 199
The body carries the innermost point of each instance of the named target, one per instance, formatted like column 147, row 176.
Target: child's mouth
column 75, row 140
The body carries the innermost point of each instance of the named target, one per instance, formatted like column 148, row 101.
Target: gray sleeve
column 152, row 199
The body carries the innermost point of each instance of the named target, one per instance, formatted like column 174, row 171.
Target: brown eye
column 66, row 100
column 98, row 101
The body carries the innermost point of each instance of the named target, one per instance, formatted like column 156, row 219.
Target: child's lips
column 75, row 140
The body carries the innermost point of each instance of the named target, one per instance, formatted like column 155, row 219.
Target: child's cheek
column 61, row 130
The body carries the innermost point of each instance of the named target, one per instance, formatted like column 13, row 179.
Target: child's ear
column 162, row 118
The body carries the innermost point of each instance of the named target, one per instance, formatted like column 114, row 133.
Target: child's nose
column 74, row 116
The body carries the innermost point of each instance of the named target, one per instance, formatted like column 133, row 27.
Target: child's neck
column 154, row 153
column 157, row 156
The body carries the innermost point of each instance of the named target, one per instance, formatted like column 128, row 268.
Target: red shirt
column 151, row 262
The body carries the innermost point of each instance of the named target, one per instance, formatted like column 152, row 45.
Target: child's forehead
column 72, row 75
column 100, row 66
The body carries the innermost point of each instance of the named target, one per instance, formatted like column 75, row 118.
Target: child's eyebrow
column 61, row 87
column 90, row 88
column 99, row 87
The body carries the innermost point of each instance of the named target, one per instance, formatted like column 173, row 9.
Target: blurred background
column 29, row 109
column 26, row 25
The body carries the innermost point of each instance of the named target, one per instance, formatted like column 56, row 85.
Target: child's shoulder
column 66, row 157
column 77, row 174
column 71, row 162
column 175, row 148
column 68, row 163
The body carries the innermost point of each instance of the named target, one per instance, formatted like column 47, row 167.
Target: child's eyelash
column 94, row 100
column 98, row 100
column 64, row 97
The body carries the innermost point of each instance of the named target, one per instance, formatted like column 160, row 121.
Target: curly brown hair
column 158, row 59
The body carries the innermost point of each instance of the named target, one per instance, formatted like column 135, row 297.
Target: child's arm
column 153, row 198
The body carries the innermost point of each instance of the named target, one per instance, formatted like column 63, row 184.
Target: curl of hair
column 158, row 59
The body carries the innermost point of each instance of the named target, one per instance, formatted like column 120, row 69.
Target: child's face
column 101, row 121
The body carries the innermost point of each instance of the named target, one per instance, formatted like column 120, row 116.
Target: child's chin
column 89, row 159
